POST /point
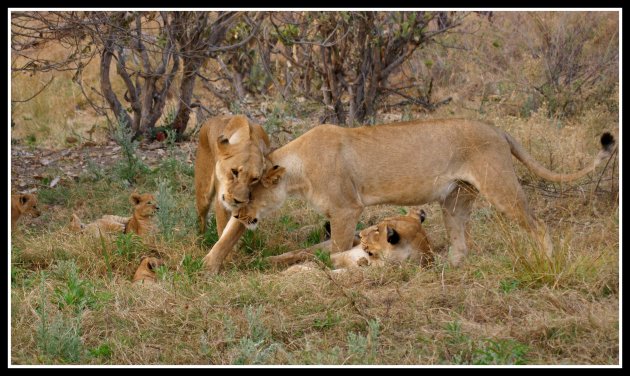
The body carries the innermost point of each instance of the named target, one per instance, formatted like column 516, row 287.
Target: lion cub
column 146, row 271
column 140, row 223
column 393, row 240
column 24, row 203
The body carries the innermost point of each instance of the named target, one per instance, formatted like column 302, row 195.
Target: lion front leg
column 342, row 229
column 233, row 231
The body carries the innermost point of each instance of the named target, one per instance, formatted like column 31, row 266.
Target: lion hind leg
column 506, row 194
column 456, row 209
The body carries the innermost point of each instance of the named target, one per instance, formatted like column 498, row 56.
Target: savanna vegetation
column 147, row 80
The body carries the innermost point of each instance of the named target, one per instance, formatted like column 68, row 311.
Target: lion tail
column 608, row 146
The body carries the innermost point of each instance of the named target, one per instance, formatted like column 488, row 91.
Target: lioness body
column 227, row 144
column 23, row 204
column 341, row 170
column 394, row 239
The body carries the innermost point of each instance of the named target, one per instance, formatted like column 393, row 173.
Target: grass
column 72, row 301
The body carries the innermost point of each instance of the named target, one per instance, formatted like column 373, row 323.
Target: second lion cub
column 140, row 223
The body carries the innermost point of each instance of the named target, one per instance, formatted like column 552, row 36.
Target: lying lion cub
column 23, row 204
column 393, row 240
column 140, row 223
column 146, row 271
column 339, row 171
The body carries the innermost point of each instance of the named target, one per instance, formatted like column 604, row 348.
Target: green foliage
column 508, row 285
column 255, row 348
column 327, row 322
column 324, row 257
column 131, row 167
column 252, row 241
column 128, row 246
column 77, row 293
column 103, row 351
column 461, row 349
column 192, row 266
column 59, row 338
column 364, row 348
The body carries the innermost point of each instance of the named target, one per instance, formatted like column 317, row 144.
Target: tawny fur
column 140, row 223
column 23, row 204
column 339, row 171
column 146, row 271
column 375, row 247
column 229, row 158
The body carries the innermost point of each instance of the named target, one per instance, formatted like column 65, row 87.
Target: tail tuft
column 608, row 141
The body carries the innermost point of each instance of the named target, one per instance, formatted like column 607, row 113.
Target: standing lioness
column 339, row 171
column 230, row 158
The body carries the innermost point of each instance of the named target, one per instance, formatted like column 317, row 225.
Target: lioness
column 146, row 271
column 341, row 170
column 230, row 159
column 394, row 239
column 24, row 203
column 398, row 239
column 140, row 223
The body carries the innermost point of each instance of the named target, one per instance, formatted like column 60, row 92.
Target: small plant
column 128, row 246
column 328, row 322
column 324, row 257
column 314, row 237
column 253, row 241
column 508, row 285
column 78, row 293
column 192, row 266
column 131, row 166
column 251, row 348
column 102, row 351
column 60, row 338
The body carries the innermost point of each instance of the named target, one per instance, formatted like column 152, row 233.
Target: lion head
column 241, row 161
column 267, row 197
column 144, row 204
column 397, row 239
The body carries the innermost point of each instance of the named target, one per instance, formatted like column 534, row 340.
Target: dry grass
column 72, row 301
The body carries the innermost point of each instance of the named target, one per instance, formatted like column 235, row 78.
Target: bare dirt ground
column 34, row 168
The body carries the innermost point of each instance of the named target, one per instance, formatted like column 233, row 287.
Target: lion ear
column 237, row 130
column 23, row 199
column 152, row 264
column 135, row 198
column 423, row 216
column 272, row 176
column 392, row 236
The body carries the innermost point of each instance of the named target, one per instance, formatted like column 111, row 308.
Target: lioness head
column 144, row 204
column 241, row 162
column 266, row 196
column 397, row 239
column 27, row 204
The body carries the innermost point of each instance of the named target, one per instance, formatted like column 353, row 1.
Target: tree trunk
column 186, row 90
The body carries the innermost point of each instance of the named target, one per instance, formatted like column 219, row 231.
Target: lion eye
column 254, row 180
column 235, row 172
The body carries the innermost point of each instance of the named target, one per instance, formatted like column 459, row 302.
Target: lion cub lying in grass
column 393, row 240
column 25, row 203
column 146, row 271
column 140, row 223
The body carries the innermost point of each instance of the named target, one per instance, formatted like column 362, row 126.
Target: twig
column 36, row 94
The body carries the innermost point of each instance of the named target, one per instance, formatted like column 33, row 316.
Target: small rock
column 54, row 182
